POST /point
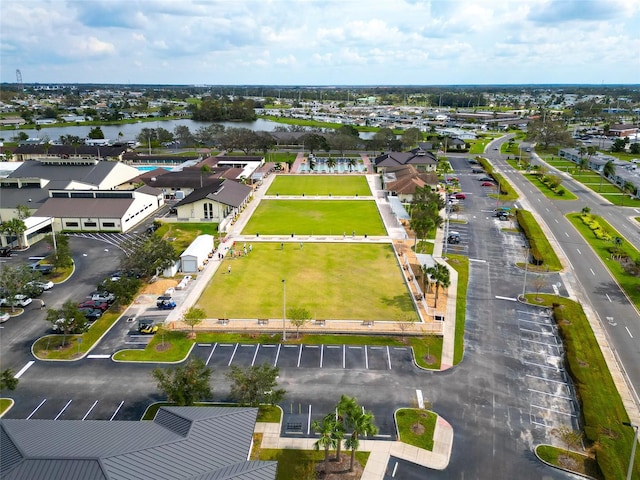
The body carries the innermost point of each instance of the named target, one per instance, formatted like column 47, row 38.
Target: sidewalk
column 381, row 450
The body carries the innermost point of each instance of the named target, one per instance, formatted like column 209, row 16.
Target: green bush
column 540, row 248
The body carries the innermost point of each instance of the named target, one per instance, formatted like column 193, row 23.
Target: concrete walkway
column 380, row 450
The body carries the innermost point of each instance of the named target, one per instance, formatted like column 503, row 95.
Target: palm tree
column 312, row 163
column 440, row 275
column 15, row 227
column 351, row 162
column 361, row 423
column 345, row 405
column 327, row 439
column 608, row 171
column 426, row 281
column 331, row 163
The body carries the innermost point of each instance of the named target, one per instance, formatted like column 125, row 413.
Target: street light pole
column 633, row 449
column 526, row 268
column 284, row 310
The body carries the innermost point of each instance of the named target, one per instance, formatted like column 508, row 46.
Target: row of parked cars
column 92, row 309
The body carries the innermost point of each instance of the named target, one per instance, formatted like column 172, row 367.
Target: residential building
column 422, row 160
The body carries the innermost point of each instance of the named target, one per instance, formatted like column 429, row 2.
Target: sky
column 327, row 42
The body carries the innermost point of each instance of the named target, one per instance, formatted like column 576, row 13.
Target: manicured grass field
column 315, row 217
column 320, row 185
column 332, row 281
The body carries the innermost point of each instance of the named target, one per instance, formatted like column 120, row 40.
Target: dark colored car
column 477, row 170
column 485, row 179
column 94, row 304
column 91, row 314
column 5, row 252
column 453, row 238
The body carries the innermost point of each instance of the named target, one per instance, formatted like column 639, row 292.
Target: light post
column 526, row 268
column 633, row 449
column 284, row 310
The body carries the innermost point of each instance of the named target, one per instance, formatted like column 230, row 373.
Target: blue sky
column 327, row 42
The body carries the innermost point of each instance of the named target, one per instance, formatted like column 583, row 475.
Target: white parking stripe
column 24, row 369
column 211, row 354
column 255, row 354
column 366, row 358
column 117, row 410
column 89, row 411
column 233, row 355
column 299, row 356
column 321, row 354
column 275, row 362
column 388, row 357
column 36, row 409
column 63, row 409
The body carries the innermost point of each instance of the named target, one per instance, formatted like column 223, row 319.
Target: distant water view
column 131, row 130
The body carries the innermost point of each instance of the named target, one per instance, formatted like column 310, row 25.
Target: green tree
column 255, row 385
column 411, row 137
column 96, row 133
column 441, row 278
column 13, row 280
column 351, row 163
column 569, row 437
column 124, row 289
column 342, row 408
column 548, row 131
column 14, row 227
column 327, row 440
column 618, row 145
column 298, row 316
column 314, row 141
column 185, row 385
column 165, row 110
column 608, row 171
column 61, row 257
column 8, row 380
column 634, row 148
column 331, row 163
column 23, row 212
column 360, row 423
column 147, row 257
column 192, row 317
column 68, row 319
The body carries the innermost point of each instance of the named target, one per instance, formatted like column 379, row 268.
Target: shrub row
column 541, row 250
column 593, row 224
column 505, row 187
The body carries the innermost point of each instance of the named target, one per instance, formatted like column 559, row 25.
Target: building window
column 90, row 224
column 71, row 224
column 108, row 224
column 208, row 210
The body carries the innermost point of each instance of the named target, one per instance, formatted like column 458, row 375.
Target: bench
column 368, row 323
column 320, row 322
column 263, row 321
column 223, row 321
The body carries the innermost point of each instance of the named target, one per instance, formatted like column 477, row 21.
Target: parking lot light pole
column 526, row 268
column 284, row 310
column 633, row 449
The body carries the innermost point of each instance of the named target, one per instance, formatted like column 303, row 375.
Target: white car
column 4, row 317
column 103, row 297
column 48, row 285
column 19, row 301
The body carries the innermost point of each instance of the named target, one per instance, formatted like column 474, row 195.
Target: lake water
column 131, row 130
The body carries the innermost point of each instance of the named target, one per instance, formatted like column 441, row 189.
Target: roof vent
column 153, row 179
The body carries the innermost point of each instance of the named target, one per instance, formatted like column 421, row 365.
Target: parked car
column 488, row 184
column 4, row 317
column 146, row 326
column 166, row 305
column 91, row 314
column 477, row 170
column 57, row 327
column 94, row 304
column 19, row 300
column 43, row 268
column 459, row 196
column 454, row 237
column 44, row 285
column 485, row 179
column 5, row 252
column 103, row 297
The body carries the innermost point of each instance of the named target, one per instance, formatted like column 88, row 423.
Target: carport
column 193, row 258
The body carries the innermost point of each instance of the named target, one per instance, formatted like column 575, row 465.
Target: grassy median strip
column 166, row 346
column 548, row 192
column 461, row 265
column 561, row 458
column 604, row 248
column 543, row 254
column 601, row 407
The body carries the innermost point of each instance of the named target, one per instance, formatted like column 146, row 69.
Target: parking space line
column 553, row 410
column 533, row 321
column 36, row 409
column 366, row 358
column 321, row 354
column 255, row 354
column 550, row 394
column 388, row 357
column 226, row 344
column 399, row 348
column 204, row 344
column 63, row 409
column 117, row 410
column 275, row 362
column 309, row 421
column 25, row 368
column 211, row 354
column 233, row 355
column 299, row 356
column 546, row 379
column 511, row 299
column 344, row 356
column 539, row 342
column 535, row 331
column 541, row 366
column 628, row 331
column 89, row 411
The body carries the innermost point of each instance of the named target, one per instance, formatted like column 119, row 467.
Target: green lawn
column 408, row 420
column 320, row 185
column 544, row 188
column 328, row 279
column 583, row 464
column 315, row 217
column 299, row 464
column 185, row 233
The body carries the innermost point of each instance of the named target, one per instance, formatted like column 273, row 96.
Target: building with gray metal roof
column 181, row 443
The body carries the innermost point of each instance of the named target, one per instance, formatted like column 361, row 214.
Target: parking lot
column 223, row 355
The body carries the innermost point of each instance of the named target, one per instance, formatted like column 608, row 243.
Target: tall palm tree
column 608, row 171
column 426, row 281
column 327, row 439
column 331, row 163
column 343, row 407
column 351, row 162
column 441, row 277
column 361, row 423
